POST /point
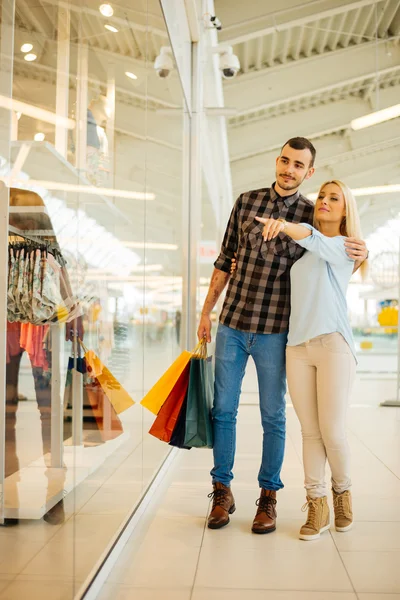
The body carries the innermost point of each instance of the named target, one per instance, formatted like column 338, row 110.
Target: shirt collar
column 288, row 200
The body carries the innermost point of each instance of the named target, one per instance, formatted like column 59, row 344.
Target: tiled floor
column 175, row 557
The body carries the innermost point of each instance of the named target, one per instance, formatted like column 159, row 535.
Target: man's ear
column 310, row 173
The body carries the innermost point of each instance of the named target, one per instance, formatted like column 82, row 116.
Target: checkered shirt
column 258, row 295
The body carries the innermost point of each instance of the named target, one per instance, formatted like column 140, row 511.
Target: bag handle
column 85, row 348
column 201, row 349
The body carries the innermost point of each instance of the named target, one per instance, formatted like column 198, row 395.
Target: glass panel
column 95, row 301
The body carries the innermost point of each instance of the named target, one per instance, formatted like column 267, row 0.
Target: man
column 254, row 322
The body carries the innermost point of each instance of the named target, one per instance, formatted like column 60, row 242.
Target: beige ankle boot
column 317, row 519
column 343, row 510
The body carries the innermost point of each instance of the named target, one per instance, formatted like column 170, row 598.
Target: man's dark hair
column 301, row 143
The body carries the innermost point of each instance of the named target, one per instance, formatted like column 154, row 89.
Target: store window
column 91, row 169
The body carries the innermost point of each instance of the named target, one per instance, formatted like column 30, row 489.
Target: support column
column 110, row 129
column 62, row 93
column 82, row 107
column 195, row 188
column 7, row 9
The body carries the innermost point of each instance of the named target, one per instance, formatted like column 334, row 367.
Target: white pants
column 320, row 376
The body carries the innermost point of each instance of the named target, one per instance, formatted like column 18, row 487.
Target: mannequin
column 30, row 338
column 97, row 155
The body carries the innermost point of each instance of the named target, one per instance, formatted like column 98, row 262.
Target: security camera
column 228, row 63
column 212, row 22
column 164, row 63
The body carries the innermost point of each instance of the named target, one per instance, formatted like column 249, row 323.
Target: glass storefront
column 92, row 272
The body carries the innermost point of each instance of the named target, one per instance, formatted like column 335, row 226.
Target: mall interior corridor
column 173, row 556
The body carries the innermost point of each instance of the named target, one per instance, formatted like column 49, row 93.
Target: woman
column 320, row 353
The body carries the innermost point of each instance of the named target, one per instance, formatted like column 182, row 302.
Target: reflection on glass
column 94, row 171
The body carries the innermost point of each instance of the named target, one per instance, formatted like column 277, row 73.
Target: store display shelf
column 35, row 489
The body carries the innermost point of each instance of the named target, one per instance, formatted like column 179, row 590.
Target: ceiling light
column 26, row 47
column 30, row 57
column 39, row 137
column 106, row 10
column 376, row 117
column 368, row 191
column 130, row 75
column 111, row 28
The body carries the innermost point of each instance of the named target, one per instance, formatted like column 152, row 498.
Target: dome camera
column 228, row 63
column 164, row 63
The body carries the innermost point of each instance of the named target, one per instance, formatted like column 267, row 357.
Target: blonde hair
column 350, row 225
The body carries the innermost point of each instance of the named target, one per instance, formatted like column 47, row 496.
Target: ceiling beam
column 327, row 73
column 260, row 137
column 269, row 21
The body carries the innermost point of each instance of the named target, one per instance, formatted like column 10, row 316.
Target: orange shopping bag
column 165, row 422
column 117, row 395
column 158, row 394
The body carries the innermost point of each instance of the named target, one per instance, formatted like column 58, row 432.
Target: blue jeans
column 232, row 352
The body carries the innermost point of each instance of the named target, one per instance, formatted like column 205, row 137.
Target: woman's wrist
column 284, row 223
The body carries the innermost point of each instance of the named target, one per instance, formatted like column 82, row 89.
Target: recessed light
column 130, row 75
column 111, row 28
column 26, row 47
column 39, row 137
column 30, row 57
column 106, row 10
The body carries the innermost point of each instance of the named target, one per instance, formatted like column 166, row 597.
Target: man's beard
column 291, row 184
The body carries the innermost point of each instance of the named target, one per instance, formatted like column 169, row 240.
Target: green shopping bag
column 198, row 431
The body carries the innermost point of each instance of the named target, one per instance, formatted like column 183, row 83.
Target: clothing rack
column 57, row 416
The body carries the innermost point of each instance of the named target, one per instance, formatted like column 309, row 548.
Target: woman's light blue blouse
column 319, row 281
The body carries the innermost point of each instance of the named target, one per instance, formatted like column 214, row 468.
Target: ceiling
column 306, row 69
column 309, row 69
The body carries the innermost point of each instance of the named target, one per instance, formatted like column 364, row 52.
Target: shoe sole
column 221, row 525
column 343, row 529
column 310, row 538
column 263, row 531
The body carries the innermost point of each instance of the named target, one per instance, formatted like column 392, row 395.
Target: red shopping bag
column 165, row 422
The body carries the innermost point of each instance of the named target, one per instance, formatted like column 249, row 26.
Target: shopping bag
column 100, row 422
column 178, row 434
column 165, row 422
column 106, row 417
column 113, row 390
column 158, row 394
column 198, row 429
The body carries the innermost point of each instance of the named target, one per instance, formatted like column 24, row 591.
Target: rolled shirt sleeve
column 230, row 242
column 331, row 249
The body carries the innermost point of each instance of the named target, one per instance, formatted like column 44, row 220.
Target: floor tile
column 373, row 571
column 115, row 591
column 231, row 594
column 306, row 568
column 378, row 596
column 373, row 537
column 16, row 554
column 160, row 568
column 76, row 546
column 39, row 590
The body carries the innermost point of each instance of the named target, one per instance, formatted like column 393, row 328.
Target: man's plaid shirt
column 258, row 295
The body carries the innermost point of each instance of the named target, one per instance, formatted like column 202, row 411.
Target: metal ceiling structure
column 307, row 68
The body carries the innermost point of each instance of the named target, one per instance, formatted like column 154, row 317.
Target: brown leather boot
column 223, row 506
column 265, row 519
